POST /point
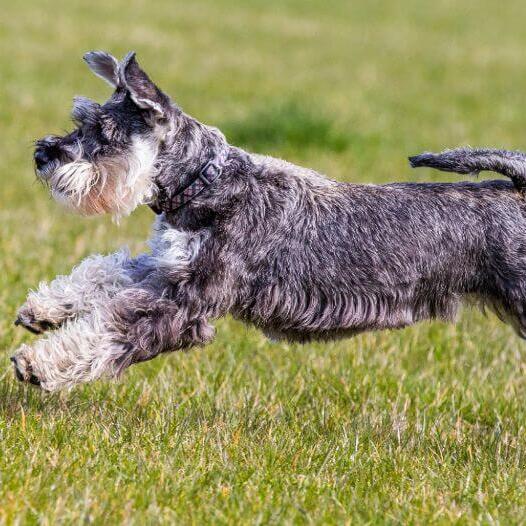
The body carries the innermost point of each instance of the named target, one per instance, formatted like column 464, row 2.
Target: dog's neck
column 170, row 198
column 196, row 161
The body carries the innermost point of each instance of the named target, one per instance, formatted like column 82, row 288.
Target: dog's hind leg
column 96, row 279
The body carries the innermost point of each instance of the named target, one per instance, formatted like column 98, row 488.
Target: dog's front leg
column 149, row 324
column 136, row 325
column 79, row 351
column 95, row 280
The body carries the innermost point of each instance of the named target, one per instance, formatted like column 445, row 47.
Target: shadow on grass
column 286, row 124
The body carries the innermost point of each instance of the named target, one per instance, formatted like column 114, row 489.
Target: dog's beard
column 115, row 185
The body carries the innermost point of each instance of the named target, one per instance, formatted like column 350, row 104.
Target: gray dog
column 279, row 246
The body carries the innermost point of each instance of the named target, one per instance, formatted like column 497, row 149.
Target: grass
column 287, row 122
column 425, row 425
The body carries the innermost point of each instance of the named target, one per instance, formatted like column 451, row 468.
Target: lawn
column 424, row 425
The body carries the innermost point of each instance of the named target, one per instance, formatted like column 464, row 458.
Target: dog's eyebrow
column 85, row 110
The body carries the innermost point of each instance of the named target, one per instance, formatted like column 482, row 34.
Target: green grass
column 425, row 425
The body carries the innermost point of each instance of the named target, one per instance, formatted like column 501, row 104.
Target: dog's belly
column 325, row 312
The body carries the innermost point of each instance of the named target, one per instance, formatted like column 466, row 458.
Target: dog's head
column 107, row 163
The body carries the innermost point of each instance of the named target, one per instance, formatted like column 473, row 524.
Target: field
column 424, row 425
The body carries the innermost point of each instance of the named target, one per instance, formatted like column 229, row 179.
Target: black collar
column 167, row 202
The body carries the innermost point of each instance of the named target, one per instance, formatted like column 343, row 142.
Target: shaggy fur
column 296, row 254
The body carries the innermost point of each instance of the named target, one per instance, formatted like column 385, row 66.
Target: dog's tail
column 472, row 161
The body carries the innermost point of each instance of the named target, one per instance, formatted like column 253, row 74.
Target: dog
column 298, row 255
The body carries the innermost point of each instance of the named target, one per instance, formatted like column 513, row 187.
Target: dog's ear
column 142, row 90
column 104, row 65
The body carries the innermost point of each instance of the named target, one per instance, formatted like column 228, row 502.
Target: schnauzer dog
column 282, row 247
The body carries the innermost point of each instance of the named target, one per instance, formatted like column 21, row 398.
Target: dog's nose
column 41, row 158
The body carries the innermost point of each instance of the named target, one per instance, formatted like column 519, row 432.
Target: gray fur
column 279, row 246
column 472, row 161
column 104, row 65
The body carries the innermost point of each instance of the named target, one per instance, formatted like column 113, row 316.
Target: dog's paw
column 26, row 318
column 23, row 368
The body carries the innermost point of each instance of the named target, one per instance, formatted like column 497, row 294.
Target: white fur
column 172, row 249
column 137, row 186
column 94, row 280
column 115, row 185
column 83, row 348
column 79, row 351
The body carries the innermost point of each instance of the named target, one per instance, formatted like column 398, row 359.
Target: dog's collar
column 207, row 174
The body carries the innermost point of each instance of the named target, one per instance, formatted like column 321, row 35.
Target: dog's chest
column 175, row 249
